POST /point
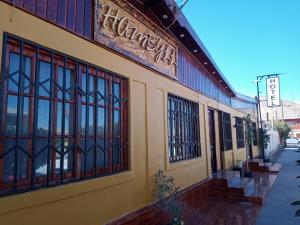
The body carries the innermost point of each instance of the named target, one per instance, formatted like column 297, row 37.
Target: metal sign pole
column 258, row 80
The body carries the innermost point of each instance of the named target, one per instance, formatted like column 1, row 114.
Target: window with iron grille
column 227, row 135
column 62, row 120
column 183, row 129
column 240, row 139
column 254, row 129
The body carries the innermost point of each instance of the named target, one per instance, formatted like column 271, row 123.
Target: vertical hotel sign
column 273, row 91
column 120, row 26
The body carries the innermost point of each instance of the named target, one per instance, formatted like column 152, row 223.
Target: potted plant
column 167, row 196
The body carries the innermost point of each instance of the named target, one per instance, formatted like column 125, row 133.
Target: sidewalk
column 277, row 209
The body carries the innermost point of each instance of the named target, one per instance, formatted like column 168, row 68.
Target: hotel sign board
column 273, row 91
column 120, row 26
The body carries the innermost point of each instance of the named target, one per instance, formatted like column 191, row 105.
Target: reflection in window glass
column 44, row 79
column 116, row 88
column 60, row 82
column 14, row 64
column 100, row 158
column 91, row 89
column 40, row 164
column 8, row 167
column 116, row 122
column 91, row 121
column 116, row 152
column 63, row 155
column 59, row 117
column 43, row 117
column 24, row 125
column 83, row 82
column 83, row 119
column 26, row 79
column 23, row 159
column 11, row 116
column 69, row 84
column 68, row 118
column 101, row 123
column 101, row 90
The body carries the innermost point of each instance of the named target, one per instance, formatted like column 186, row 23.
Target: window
column 226, row 131
column 183, row 128
column 239, row 132
column 254, row 129
column 62, row 120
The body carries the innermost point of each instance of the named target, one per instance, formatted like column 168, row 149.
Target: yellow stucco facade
column 100, row 200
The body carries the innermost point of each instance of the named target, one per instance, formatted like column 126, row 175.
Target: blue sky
column 247, row 38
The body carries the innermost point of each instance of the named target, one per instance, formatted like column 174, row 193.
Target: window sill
column 52, row 194
column 184, row 163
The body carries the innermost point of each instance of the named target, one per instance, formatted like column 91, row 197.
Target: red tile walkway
column 227, row 211
column 221, row 211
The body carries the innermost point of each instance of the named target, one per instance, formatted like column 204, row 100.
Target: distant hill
column 290, row 109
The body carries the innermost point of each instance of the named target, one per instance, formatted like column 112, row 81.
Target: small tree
column 265, row 137
column 248, row 129
column 167, row 195
column 283, row 130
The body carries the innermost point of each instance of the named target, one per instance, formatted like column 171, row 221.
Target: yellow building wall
column 100, row 200
column 256, row 152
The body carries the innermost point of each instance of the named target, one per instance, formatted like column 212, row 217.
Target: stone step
column 229, row 184
column 257, row 165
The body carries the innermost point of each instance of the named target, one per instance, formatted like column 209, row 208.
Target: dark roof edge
column 184, row 23
column 245, row 98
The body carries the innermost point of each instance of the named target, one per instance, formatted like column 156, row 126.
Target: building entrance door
column 212, row 140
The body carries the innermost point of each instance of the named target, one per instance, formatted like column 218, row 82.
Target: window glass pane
column 91, row 88
column 69, row 84
column 60, row 77
column 91, row 121
column 116, row 126
column 40, row 161
column 116, row 89
column 101, row 91
column 43, row 117
column 59, row 117
column 14, row 64
column 27, row 77
column 69, row 118
column 44, row 79
column 89, row 152
column 11, row 117
column 65, row 152
column 83, row 119
column 116, row 151
column 8, row 160
column 101, row 121
column 100, row 153
column 23, row 159
column 24, row 117
column 83, row 87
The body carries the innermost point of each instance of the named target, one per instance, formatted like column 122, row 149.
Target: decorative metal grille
column 183, row 129
column 227, row 135
column 62, row 119
column 240, row 138
column 254, row 129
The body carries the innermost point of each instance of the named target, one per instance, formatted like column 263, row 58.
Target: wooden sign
column 123, row 28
